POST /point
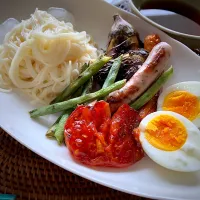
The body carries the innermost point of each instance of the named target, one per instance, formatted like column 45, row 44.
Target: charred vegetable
column 151, row 69
column 83, row 78
column 155, row 87
column 112, row 75
column 131, row 62
column 150, row 41
column 57, row 107
column 122, row 37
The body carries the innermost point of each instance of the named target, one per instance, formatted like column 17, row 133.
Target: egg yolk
column 165, row 132
column 182, row 102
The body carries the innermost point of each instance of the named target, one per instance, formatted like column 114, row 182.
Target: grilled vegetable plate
column 140, row 159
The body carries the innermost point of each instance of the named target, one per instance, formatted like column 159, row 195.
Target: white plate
column 144, row 178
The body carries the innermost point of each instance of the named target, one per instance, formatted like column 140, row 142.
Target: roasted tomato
column 85, row 133
column 94, row 138
column 150, row 41
column 123, row 147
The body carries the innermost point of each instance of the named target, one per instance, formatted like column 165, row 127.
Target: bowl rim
column 170, row 31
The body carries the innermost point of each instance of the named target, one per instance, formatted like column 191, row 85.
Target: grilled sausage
column 151, row 69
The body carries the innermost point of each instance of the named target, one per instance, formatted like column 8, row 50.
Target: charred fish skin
column 122, row 36
column 151, row 69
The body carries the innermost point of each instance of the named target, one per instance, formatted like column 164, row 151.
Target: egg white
column 192, row 87
column 185, row 159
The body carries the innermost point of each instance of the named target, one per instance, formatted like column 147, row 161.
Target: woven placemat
column 29, row 176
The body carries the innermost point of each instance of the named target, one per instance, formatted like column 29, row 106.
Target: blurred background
column 166, row 18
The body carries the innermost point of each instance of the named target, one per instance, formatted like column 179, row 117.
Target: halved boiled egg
column 182, row 98
column 171, row 140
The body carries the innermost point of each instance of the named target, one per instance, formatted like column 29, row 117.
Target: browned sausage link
column 143, row 78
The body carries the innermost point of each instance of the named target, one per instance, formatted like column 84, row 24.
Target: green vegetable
column 142, row 100
column 59, row 131
column 50, row 109
column 78, row 92
column 112, row 75
column 51, row 131
column 84, row 67
column 88, row 87
column 83, row 78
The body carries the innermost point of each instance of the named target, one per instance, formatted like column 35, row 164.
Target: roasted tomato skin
column 124, row 148
column 96, row 139
column 150, row 41
column 83, row 136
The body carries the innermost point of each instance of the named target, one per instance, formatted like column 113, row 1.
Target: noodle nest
column 42, row 55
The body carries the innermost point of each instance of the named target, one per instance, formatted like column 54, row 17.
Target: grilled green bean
column 112, row 75
column 83, row 78
column 50, row 109
column 59, row 131
column 142, row 100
